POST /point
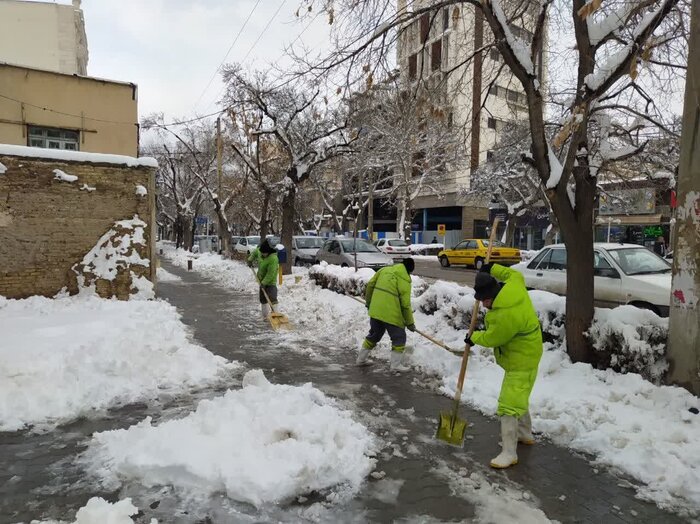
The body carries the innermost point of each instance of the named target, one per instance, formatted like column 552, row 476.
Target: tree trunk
column 179, row 231
column 288, row 214
column 224, row 230
column 188, row 232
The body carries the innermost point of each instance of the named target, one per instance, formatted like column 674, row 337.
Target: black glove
column 411, row 327
column 486, row 268
column 468, row 341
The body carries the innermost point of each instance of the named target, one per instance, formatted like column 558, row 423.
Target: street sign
column 201, row 220
column 441, row 229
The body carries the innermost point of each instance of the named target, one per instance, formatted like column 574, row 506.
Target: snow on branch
column 519, row 47
column 555, row 168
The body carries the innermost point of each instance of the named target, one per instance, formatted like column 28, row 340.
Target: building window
column 424, row 28
column 446, row 50
column 521, row 33
column 53, row 138
column 494, row 90
column 491, row 123
column 450, row 120
column 494, row 54
column 446, row 19
column 413, row 66
column 489, row 156
column 436, row 56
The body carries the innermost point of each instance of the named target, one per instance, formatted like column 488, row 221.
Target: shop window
column 53, row 138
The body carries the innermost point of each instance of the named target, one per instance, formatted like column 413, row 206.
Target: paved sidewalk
column 560, row 483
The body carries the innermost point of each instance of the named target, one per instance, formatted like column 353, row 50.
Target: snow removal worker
column 388, row 299
column 513, row 331
column 268, row 267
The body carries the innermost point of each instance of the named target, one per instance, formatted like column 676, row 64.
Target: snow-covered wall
column 53, row 212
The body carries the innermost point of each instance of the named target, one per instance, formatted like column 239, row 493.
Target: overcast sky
column 171, row 48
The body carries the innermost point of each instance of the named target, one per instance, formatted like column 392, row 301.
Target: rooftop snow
column 76, row 156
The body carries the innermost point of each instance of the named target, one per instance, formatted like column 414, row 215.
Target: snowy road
column 431, row 268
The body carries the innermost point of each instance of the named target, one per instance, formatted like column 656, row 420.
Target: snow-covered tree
column 608, row 63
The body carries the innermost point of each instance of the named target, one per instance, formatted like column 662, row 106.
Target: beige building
column 61, row 111
column 431, row 51
column 44, row 35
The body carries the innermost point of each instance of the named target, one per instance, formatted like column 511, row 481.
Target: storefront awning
column 628, row 220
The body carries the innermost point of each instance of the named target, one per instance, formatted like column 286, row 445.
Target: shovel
column 451, row 428
column 277, row 320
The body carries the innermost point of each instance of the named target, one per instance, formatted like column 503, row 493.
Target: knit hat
column 485, row 286
column 410, row 265
column 266, row 248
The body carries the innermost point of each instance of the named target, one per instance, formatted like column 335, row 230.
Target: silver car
column 304, row 249
column 341, row 252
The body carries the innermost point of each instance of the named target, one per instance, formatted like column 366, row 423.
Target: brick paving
column 38, row 478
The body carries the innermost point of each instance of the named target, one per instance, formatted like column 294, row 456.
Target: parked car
column 234, row 241
column 396, row 248
column 341, row 252
column 472, row 252
column 623, row 274
column 247, row 245
column 304, row 249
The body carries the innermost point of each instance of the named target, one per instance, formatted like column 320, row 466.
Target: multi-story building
column 434, row 55
column 45, row 98
column 44, row 35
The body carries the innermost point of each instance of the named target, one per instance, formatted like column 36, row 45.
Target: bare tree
column 620, row 52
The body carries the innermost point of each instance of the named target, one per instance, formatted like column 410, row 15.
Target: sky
column 173, row 48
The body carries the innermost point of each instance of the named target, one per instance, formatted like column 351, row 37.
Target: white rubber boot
column 525, row 430
column 397, row 362
column 265, row 311
column 509, row 443
column 363, row 356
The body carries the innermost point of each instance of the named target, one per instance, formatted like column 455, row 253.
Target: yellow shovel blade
column 451, row 428
column 279, row 321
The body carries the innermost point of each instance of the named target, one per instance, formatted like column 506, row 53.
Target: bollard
column 279, row 273
column 189, row 264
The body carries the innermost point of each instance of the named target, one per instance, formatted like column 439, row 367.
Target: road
column 432, row 269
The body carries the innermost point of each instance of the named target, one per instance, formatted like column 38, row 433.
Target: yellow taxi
column 472, row 252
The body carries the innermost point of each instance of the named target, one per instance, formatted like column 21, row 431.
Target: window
column 436, row 56
column 472, row 245
column 512, row 95
column 446, row 19
column 494, row 54
column 424, row 28
column 52, row 138
column 461, row 245
column 413, row 66
column 446, row 50
column 489, row 156
column 557, row 261
column 450, row 120
column 538, row 258
column 494, row 90
column 491, row 122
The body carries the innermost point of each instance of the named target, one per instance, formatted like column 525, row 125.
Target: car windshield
column 639, row 261
column 397, row 243
column 253, row 241
column 361, row 246
column 496, row 243
column 309, row 242
column 273, row 240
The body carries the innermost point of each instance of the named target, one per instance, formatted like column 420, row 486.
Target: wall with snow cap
column 55, row 212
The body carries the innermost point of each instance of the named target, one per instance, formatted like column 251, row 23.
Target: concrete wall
column 44, row 36
column 104, row 112
column 47, row 226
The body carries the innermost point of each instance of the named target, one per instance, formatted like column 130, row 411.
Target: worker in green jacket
column 388, row 299
column 268, row 268
column 513, row 330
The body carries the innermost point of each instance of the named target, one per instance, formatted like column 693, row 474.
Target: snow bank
column 3, row 169
column 99, row 511
column 63, row 177
column 76, row 156
column 289, row 441
column 166, row 276
column 64, row 358
column 426, row 249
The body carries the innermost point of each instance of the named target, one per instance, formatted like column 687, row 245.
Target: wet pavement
column 423, row 480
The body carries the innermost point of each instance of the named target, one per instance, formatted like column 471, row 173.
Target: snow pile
column 63, row 177
column 526, row 254
column 166, row 276
column 343, row 280
column 289, row 441
column 141, row 190
column 118, row 264
column 426, row 249
column 64, row 358
column 76, row 156
column 638, row 337
column 88, row 188
column 98, row 510
column 3, row 169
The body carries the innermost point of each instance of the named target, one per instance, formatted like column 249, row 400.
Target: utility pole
column 684, row 327
column 223, row 235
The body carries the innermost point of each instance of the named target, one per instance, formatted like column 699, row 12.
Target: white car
column 396, row 248
column 624, row 274
column 304, row 249
column 341, row 252
column 247, row 245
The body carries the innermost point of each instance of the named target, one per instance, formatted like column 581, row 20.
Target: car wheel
column 478, row 263
column 344, row 265
column 444, row 261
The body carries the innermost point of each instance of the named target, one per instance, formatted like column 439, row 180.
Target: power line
column 240, row 31
column 269, row 23
column 43, row 108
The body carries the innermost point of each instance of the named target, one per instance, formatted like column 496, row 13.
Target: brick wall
column 469, row 214
column 47, row 226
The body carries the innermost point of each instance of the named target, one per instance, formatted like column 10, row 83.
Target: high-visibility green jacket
column 268, row 267
column 512, row 325
column 388, row 296
column 255, row 256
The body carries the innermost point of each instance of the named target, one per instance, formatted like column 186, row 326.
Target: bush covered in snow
column 343, row 280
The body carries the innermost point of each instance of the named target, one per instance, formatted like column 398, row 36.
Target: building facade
column 41, row 108
column 44, row 35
